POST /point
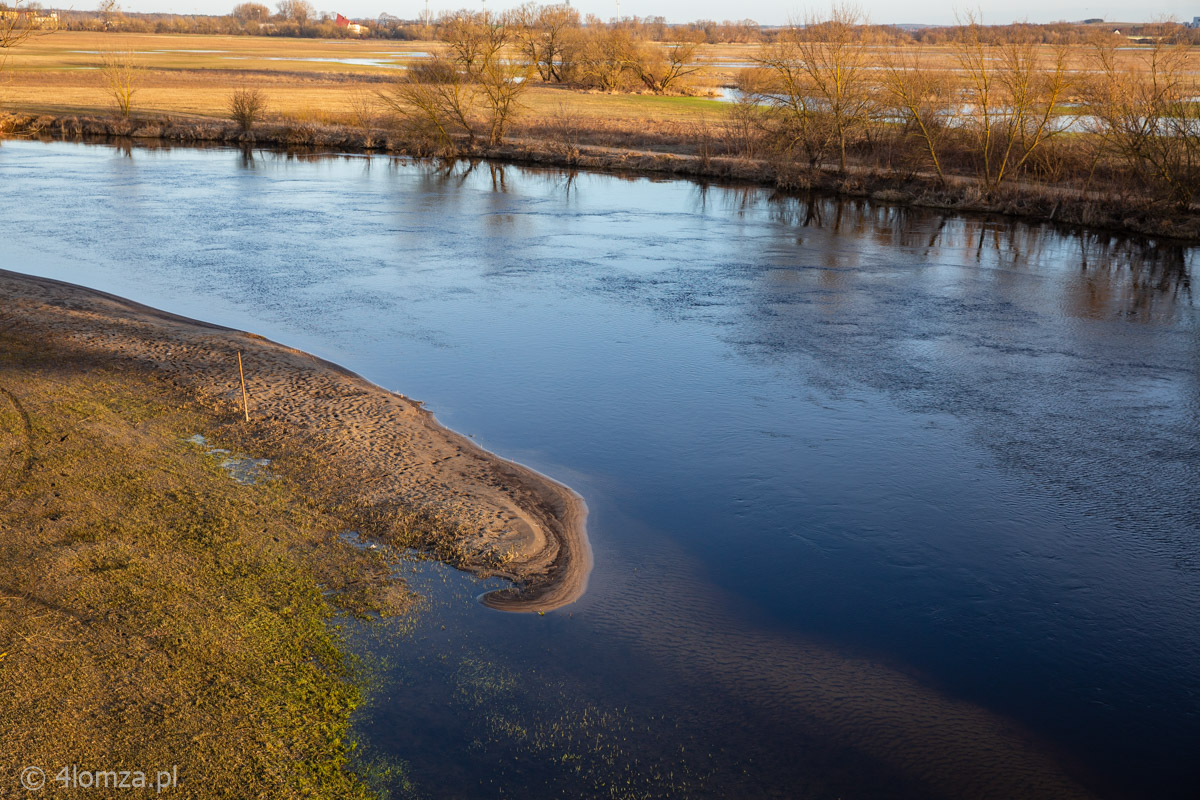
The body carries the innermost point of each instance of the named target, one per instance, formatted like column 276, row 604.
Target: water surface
column 884, row 503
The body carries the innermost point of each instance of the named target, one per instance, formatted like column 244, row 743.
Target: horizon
column 765, row 12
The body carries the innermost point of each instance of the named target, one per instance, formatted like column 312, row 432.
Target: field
column 325, row 80
column 303, row 78
column 914, row 132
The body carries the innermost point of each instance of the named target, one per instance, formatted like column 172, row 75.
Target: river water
column 884, row 502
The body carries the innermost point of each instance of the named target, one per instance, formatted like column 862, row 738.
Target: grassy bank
column 326, row 95
column 569, row 145
column 156, row 614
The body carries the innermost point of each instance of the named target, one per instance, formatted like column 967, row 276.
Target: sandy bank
column 387, row 451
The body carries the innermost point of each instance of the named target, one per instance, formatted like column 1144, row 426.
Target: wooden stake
column 241, row 372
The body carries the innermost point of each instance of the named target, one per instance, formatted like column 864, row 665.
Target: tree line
column 300, row 18
column 994, row 106
column 998, row 109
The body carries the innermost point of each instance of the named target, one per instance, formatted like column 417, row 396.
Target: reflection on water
column 884, row 502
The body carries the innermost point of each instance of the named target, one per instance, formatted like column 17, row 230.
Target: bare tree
column 478, row 85
column 437, row 99
column 832, row 53
column 251, row 12
column 745, row 124
column 16, row 24
column 297, row 11
column 544, row 35
column 1012, row 94
column 473, row 38
column 659, row 68
column 501, row 83
column 783, row 85
column 1147, row 116
column 19, row 21
column 110, row 11
column 603, row 59
column 364, row 112
column 121, row 74
column 246, row 107
column 925, row 99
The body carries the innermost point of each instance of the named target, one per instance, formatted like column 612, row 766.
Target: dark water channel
column 884, row 503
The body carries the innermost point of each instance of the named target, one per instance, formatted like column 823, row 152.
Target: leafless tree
column 110, row 12
column 19, row 21
column 544, row 35
column 364, row 111
column 782, row 84
column 251, row 12
column 474, row 37
column 297, row 11
column 925, row 100
column 121, row 73
column 661, row 67
column 603, row 58
column 1147, row 116
column 437, row 99
column 501, row 83
column 1012, row 93
column 745, row 124
column 832, row 55
column 246, row 107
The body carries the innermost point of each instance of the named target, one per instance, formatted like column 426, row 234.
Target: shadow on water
column 885, row 502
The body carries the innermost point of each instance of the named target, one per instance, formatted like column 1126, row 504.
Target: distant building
column 1195, row 22
column 351, row 27
column 35, row 16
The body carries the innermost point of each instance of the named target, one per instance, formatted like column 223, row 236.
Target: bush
column 246, row 107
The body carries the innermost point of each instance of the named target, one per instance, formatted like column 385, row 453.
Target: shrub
column 246, row 107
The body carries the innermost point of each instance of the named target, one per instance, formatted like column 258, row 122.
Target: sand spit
column 512, row 521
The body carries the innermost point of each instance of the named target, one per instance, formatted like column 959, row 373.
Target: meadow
column 193, row 76
column 1101, row 131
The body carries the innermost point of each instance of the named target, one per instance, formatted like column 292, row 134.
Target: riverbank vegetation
column 155, row 613
column 1078, row 122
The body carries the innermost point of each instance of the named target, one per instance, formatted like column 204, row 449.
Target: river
column 884, row 502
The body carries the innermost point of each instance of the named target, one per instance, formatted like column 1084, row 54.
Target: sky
column 766, row 12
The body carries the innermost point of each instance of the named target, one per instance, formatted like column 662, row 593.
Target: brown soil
column 409, row 480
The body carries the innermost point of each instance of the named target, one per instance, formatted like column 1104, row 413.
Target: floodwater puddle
column 244, row 469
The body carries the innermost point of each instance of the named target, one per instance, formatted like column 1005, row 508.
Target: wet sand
column 511, row 521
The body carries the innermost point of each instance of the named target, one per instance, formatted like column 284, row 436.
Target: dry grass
column 51, row 75
column 153, row 612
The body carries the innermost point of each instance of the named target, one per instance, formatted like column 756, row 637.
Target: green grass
column 154, row 611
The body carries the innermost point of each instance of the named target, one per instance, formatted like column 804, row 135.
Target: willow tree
column 472, row 90
column 545, row 35
column 1146, row 113
column 925, row 99
column 1012, row 90
column 820, row 72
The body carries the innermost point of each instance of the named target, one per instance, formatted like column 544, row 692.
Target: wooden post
column 245, row 403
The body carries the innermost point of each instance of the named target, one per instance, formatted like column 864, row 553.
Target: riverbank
column 378, row 457
column 162, row 624
column 1058, row 205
